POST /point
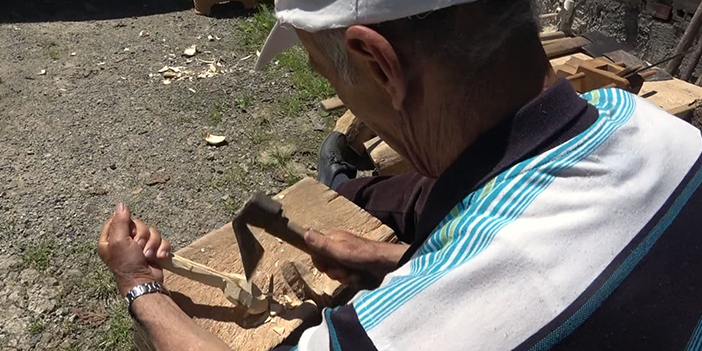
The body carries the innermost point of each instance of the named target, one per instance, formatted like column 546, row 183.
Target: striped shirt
column 572, row 225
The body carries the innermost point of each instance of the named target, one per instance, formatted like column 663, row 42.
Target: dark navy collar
column 554, row 117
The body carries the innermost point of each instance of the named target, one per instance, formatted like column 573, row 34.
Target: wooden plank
column 551, row 35
column 565, row 46
column 312, row 205
column 332, row 104
column 672, row 94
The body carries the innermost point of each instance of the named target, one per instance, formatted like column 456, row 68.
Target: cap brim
column 280, row 39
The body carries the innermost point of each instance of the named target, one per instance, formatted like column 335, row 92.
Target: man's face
column 368, row 101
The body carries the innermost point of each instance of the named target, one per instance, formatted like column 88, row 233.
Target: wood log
column 686, row 41
column 356, row 131
column 308, row 203
column 387, row 161
column 694, row 60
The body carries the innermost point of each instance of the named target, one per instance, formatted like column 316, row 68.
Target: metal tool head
column 258, row 211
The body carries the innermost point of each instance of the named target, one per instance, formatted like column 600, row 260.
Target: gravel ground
column 86, row 121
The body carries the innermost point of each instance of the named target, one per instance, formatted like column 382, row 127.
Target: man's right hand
column 353, row 260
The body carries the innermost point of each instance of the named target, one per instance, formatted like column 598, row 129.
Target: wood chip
column 190, row 51
column 215, row 139
column 98, row 191
column 279, row 330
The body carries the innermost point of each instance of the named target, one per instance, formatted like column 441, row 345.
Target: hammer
column 264, row 212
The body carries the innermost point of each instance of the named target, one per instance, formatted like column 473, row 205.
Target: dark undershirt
column 413, row 205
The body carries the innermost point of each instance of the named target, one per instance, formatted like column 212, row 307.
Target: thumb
column 120, row 224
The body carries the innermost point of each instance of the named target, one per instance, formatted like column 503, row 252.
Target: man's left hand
column 130, row 249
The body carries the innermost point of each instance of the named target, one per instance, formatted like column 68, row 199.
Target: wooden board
column 332, row 104
column 308, row 203
column 564, row 46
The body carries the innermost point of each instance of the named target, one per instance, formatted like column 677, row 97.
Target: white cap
column 317, row 15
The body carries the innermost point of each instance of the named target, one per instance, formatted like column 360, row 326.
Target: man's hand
column 130, row 250
column 353, row 260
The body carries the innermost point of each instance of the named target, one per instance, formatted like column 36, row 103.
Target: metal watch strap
column 143, row 289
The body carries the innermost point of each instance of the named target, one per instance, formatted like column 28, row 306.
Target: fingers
column 120, row 225
column 103, row 240
column 105, row 232
column 156, row 246
column 141, row 234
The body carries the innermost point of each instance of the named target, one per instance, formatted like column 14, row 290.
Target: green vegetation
column 310, row 87
column 52, row 51
column 38, row 256
column 36, row 327
column 119, row 329
column 244, row 102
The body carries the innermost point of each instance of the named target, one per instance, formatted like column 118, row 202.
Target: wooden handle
column 290, row 232
column 198, row 272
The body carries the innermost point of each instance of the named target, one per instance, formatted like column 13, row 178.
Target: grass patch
column 36, row 328
column 259, row 136
column 38, row 256
column 119, row 330
column 52, row 51
column 235, row 176
column 257, row 27
column 244, row 102
column 97, row 282
column 310, row 87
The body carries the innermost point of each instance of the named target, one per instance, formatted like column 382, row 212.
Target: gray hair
column 332, row 43
column 441, row 34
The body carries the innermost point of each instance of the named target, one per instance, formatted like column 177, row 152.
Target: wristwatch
column 143, row 289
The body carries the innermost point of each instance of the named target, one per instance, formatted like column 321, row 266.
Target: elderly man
column 537, row 218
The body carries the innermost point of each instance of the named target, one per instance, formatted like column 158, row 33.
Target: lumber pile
column 308, row 203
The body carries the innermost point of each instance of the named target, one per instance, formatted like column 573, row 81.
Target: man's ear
column 381, row 59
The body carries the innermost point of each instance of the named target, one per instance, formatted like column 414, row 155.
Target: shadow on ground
column 26, row 11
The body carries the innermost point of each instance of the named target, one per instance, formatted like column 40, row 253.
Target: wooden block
column 356, row 131
column 671, row 95
column 565, row 46
column 308, row 203
column 551, row 35
column 332, row 104
column 598, row 78
column 387, row 161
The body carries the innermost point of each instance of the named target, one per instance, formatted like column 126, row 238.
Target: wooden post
column 694, row 60
column 686, row 40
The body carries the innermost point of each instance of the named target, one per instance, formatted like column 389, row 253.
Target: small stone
column 98, row 191
column 158, row 178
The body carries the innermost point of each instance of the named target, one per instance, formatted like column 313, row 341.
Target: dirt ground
column 86, row 121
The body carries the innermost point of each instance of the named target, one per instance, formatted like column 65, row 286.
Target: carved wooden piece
column 308, row 203
column 234, row 286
